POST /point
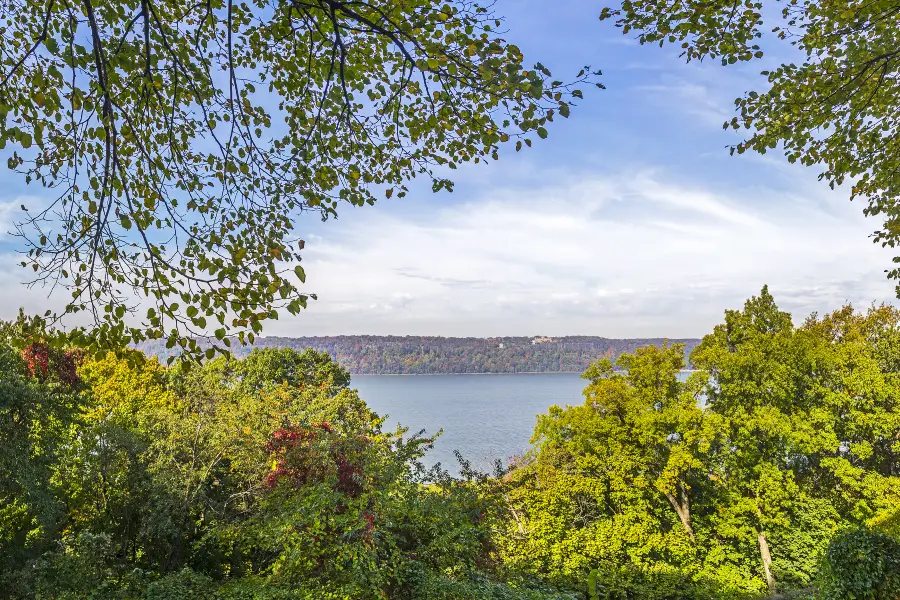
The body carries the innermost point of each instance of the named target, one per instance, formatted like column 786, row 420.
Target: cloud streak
column 619, row 255
column 625, row 255
column 10, row 212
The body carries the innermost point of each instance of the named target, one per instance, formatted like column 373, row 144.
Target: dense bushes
column 862, row 564
column 264, row 478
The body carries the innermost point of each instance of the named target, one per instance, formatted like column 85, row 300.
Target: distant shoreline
column 487, row 373
column 373, row 355
column 490, row 373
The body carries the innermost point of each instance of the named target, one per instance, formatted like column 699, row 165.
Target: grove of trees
column 731, row 483
column 773, row 469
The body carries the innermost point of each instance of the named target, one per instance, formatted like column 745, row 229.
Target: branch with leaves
column 180, row 142
column 835, row 108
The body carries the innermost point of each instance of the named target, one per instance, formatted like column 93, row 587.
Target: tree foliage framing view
column 182, row 140
column 838, row 108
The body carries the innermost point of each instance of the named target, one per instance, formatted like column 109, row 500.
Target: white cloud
column 702, row 91
column 14, row 294
column 11, row 213
column 690, row 98
column 616, row 255
column 626, row 255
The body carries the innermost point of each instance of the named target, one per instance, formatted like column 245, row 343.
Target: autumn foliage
column 317, row 454
column 46, row 363
column 270, row 478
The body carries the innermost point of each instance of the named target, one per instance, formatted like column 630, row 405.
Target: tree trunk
column 515, row 515
column 682, row 508
column 766, row 561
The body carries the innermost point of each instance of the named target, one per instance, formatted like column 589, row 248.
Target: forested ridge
column 429, row 355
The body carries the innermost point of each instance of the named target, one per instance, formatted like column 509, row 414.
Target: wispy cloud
column 629, row 254
column 14, row 294
column 10, row 211
column 693, row 98
column 608, row 255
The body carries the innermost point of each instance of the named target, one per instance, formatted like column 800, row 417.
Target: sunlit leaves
column 783, row 436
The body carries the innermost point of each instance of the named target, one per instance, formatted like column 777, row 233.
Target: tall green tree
column 179, row 142
column 834, row 104
column 859, row 436
column 762, row 386
column 39, row 411
column 616, row 483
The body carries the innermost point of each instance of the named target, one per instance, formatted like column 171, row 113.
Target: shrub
column 862, row 564
column 183, row 585
column 629, row 583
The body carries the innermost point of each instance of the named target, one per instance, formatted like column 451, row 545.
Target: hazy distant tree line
column 423, row 355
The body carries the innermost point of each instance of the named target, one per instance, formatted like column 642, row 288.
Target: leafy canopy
column 836, row 107
column 728, row 483
column 181, row 141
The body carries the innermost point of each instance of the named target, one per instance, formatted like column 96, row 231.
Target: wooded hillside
column 396, row 355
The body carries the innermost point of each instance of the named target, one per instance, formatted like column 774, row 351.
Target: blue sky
column 630, row 220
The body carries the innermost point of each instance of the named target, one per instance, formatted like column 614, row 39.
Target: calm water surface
column 483, row 416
